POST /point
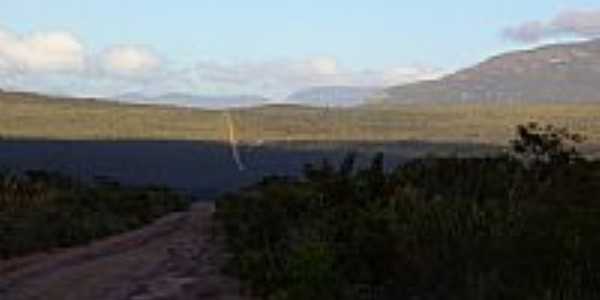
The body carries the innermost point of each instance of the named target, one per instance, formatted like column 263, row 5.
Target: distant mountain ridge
column 334, row 95
column 554, row 73
column 195, row 100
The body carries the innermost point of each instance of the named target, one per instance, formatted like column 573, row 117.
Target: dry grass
column 27, row 116
column 24, row 116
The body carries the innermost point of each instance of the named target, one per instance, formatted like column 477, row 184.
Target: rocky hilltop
column 554, row 73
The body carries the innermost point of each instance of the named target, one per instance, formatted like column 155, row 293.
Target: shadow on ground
column 203, row 169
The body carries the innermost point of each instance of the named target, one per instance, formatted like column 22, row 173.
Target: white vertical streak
column 233, row 142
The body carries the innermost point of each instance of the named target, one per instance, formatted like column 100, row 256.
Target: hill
column 195, row 100
column 33, row 116
column 334, row 95
column 554, row 73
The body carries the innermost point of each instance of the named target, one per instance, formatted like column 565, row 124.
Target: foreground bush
column 492, row 228
column 41, row 211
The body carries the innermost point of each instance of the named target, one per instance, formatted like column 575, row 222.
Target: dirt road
column 175, row 258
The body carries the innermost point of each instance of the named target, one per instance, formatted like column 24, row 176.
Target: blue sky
column 204, row 42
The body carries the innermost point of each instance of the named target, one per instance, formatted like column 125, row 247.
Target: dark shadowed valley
column 203, row 169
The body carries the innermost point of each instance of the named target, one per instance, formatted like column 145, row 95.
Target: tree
column 547, row 154
column 546, row 146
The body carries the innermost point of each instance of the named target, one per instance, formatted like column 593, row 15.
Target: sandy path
column 175, row 258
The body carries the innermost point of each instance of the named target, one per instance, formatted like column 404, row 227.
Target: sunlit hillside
column 29, row 116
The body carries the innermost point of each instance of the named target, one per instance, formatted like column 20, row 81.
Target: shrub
column 40, row 211
column 469, row 228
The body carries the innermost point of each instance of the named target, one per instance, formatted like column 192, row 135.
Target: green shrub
column 485, row 228
column 40, row 211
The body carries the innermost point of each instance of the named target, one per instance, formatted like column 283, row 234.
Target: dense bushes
column 40, row 211
column 489, row 228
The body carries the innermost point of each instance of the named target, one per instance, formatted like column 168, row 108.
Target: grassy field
column 29, row 116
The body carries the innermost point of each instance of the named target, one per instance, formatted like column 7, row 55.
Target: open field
column 29, row 116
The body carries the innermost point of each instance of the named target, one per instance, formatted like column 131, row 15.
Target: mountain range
column 195, row 100
column 333, row 95
column 554, row 73
column 567, row 73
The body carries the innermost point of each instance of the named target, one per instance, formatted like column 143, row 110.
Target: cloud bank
column 60, row 63
column 41, row 52
column 578, row 23
column 277, row 79
column 62, row 52
column 130, row 60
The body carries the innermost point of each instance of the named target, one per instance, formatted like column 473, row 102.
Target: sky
column 265, row 47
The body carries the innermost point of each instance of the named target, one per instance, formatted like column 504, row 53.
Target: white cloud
column 41, row 52
column 44, row 52
column 130, row 60
column 279, row 78
column 579, row 23
column 321, row 66
column 271, row 79
column 59, row 63
column 404, row 75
